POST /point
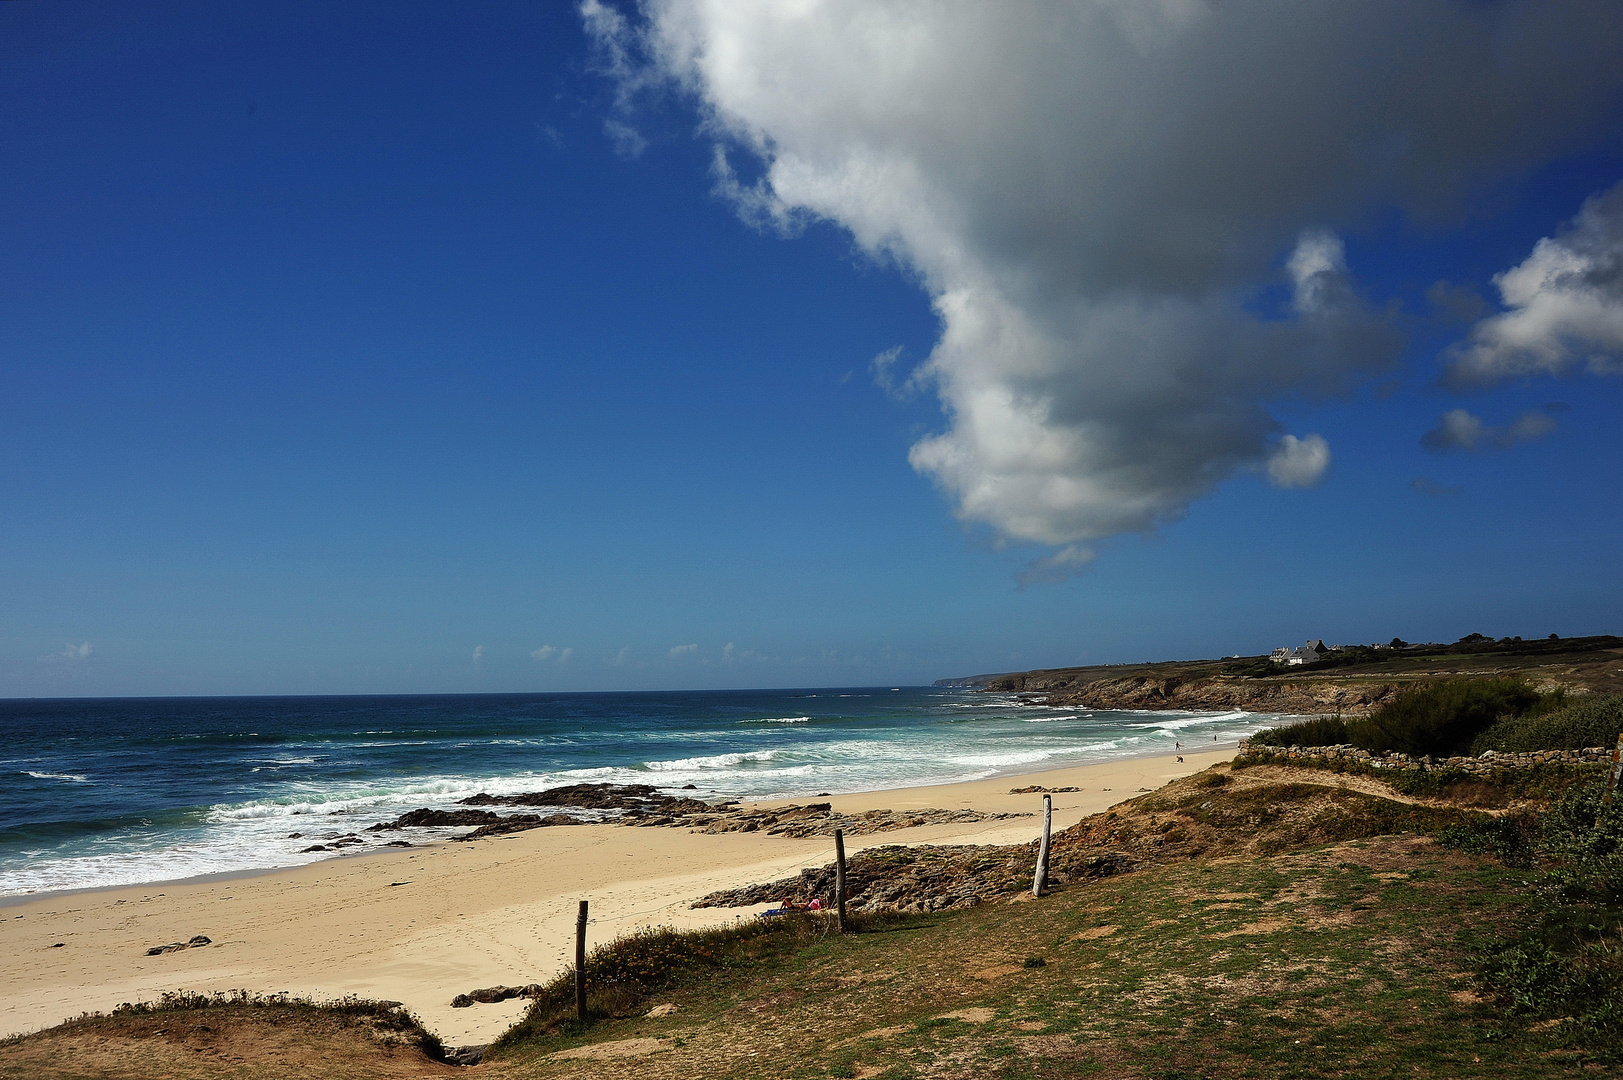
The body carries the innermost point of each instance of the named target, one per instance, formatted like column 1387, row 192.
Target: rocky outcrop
column 646, row 807
column 626, row 798
column 436, row 818
column 1213, row 694
column 519, row 823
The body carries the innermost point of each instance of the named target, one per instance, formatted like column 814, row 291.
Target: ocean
column 98, row 792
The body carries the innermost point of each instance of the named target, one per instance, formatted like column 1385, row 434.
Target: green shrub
column 1594, row 721
column 1440, row 718
column 1443, row 717
column 1317, row 731
column 1566, row 964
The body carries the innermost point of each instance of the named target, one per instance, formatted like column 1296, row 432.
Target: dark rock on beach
column 417, row 818
column 195, row 943
column 519, row 823
column 492, row 994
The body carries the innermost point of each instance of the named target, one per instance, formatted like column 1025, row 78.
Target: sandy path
column 422, row 925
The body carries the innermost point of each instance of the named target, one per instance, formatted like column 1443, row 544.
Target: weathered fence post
column 1617, row 771
column 839, row 874
column 580, row 964
column 1039, row 881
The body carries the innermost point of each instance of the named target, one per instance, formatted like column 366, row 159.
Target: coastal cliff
column 1202, row 694
column 1350, row 681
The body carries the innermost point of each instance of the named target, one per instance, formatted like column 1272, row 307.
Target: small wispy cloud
column 885, row 377
column 683, row 650
column 621, row 657
column 545, row 652
column 71, row 656
column 1063, row 564
column 478, row 653
column 1459, row 429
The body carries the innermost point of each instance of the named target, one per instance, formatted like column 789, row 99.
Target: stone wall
column 1490, row 761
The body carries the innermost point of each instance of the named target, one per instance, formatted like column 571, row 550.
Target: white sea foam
column 71, row 778
column 714, row 761
column 779, row 720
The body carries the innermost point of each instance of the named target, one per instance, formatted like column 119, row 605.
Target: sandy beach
column 421, row 925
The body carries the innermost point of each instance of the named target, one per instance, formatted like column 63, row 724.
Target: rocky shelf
column 643, row 806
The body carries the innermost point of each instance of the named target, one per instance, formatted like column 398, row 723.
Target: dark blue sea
column 98, row 792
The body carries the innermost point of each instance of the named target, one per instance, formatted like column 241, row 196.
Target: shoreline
column 16, row 899
column 420, row 925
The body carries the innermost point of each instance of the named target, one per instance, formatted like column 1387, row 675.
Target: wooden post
column 1617, row 771
column 1039, row 881
column 839, row 874
column 580, row 963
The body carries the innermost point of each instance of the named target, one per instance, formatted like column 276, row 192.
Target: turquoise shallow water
column 107, row 792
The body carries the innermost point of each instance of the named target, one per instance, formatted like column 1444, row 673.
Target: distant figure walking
column 1178, row 746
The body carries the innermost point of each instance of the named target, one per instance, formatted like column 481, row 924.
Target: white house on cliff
column 1302, row 654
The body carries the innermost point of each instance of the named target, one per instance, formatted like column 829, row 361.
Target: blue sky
column 405, row 347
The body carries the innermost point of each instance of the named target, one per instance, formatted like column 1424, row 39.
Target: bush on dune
column 1444, row 717
column 1318, row 731
column 1595, row 721
column 1440, row 718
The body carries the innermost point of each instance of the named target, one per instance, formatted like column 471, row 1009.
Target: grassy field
column 1246, row 946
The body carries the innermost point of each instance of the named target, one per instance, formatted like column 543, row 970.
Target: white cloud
column 1099, row 196
column 77, row 652
column 563, row 657
column 545, row 652
column 478, row 653
column 1564, row 301
column 1298, row 463
column 683, row 650
column 622, row 657
column 727, row 651
column 1459, row 429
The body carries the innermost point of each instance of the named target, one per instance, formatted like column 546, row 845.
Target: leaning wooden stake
column 839, row 874
column 1617, row 771
column 580, row 963
column 1039, row 882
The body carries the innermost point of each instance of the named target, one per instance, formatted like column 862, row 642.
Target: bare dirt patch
column 620, row 1048
column 969, row 1016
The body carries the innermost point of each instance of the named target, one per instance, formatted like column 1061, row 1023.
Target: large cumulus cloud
column 1125, row 213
